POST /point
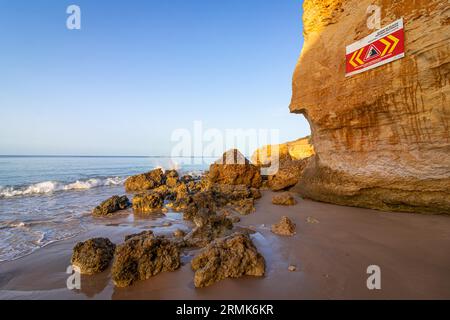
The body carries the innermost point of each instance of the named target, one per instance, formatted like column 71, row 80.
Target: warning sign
column 381, row 47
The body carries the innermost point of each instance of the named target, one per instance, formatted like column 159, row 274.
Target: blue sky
column 137, row 70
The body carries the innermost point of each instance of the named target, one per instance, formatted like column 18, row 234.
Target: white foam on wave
column 47, row 187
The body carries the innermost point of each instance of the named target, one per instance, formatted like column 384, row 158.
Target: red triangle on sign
column 372, row 53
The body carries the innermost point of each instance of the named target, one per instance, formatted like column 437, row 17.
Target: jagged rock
column 284, row 199
column 171, row 173
column 171, row 182
column 145, row 181
column 163, row 191
column 288, row 174
column 181, row 197
column 111, row 205
column 172, row 178
column 146, row 233
column 93, row 256
column 234, row 169
column 148, row 202
column 244, row 206
column 208, row 228
column 230, row 257
column 284, row 228
column 206, row 201
column 142, row 257
column 390, row 149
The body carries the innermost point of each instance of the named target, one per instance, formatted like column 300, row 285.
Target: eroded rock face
column 208, row 227
column 145, row 181
column 143, row 256
column 284, row 228
column 293, row 150
column 148, row 202
column 230, row 257
column 111, row 205
column 234, row 169
column 284, row 199
column 93, row 256
column 381, row 138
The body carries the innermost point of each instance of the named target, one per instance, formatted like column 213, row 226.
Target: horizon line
column 95, row 156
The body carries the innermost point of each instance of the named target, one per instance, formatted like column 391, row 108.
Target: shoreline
column 331, row 257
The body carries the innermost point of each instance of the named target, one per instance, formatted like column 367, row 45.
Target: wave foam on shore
column 46, row 187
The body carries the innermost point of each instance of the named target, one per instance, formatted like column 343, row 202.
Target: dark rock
column 171, row 182
column 142, row 257
column 284, row 199
column 93, row 256
column 230, row 257
column 111, row 205
column 231, row 169
column 171, row 173
column 145, row 181
column 284, row 228
column 207, row 229
column 148, row 202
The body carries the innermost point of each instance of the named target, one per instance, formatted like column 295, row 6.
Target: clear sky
column 137, row 70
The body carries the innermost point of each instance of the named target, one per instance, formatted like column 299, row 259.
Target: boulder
column 142, row 257
column 111, row 205
column 93, row 256
column 284, row 199
column 230, row 257
column 284, row 228
column 148, row 202
column 171, row 173
column 234, row 169
column 288, row 174
column 145, row 181
column 381, row 138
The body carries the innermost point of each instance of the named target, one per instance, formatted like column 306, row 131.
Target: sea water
column 47, row 199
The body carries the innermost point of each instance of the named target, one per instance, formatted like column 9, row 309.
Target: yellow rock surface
column 296, row 150
column 381, row 138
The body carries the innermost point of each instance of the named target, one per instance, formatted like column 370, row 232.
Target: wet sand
column 331, row 256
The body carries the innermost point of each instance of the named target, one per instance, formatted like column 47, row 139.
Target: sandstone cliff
column 382, row 138
column 295, row 150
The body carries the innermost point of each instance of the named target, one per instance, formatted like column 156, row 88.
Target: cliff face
column 292, row 150
column 381, row 138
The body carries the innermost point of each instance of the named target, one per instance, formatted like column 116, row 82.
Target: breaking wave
column 47, row 187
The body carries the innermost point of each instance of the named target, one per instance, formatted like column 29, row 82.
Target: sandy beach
column 332, row 249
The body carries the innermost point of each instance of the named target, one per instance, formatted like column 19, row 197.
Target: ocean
column 47, row 199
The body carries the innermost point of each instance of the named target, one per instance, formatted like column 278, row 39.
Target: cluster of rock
column 208, row 202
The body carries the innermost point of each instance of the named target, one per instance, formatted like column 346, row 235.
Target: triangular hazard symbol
column 373, row 52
